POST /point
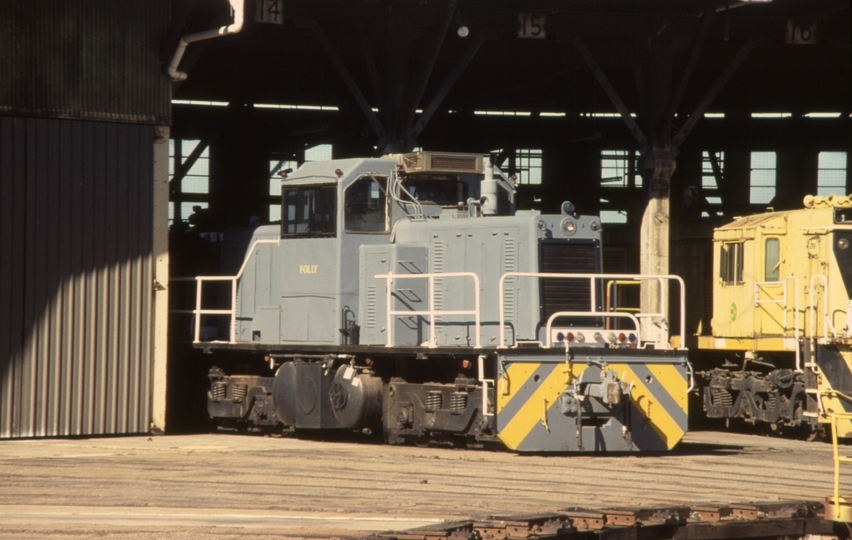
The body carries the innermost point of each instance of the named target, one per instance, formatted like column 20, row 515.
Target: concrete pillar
column 658, row 165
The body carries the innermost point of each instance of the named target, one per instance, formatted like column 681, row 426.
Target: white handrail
column 592, row 278
column 604, row 314
column 431, row 312
column 783, row 302
column 199, row 280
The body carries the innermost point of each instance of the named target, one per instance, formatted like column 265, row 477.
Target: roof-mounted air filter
column 440, row 162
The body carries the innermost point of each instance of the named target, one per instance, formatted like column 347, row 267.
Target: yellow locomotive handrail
column 838, row 459
column 614, row 284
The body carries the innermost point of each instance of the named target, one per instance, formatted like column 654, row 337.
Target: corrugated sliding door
column 76, row 277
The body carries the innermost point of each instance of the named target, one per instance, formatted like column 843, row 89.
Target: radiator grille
column 569, row 294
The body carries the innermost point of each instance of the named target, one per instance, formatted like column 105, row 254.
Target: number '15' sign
column 531, row 25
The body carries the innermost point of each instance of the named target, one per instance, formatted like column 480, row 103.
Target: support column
column 160, row 307
column 658, row 165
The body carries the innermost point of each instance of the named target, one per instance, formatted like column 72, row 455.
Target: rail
column 661, row 279
column 612, row 293
column 839, row 502
column 783, row 302
column 431, row 312
column 200, row 280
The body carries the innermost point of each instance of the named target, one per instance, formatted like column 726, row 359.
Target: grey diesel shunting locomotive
column 403, row 294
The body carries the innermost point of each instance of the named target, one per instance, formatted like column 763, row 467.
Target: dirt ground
column 244, row 486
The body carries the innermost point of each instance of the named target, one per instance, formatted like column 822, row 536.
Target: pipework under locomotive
column 404, row 294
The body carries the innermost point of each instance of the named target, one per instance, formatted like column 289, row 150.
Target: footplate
column 592, row 400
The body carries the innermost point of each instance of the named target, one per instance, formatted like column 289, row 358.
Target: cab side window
column 731, row 263
column 366, row 207
column 772, row 256
column 308, row 211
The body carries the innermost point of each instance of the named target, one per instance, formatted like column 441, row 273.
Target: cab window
column 308, row 211
column 366, row 207
column 731, row 263
column 772, row 255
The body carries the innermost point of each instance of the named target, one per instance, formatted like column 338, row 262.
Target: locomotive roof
column 803, row 217
column 324, row 172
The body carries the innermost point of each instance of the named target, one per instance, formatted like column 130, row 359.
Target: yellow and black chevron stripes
column 533, row 388
column 835, row 384
column 530, row 418
column 659, row 394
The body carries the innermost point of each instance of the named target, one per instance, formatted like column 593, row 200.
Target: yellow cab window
column 772, row 259
column 731, row 263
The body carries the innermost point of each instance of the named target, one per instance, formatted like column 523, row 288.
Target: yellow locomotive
column 780, row 352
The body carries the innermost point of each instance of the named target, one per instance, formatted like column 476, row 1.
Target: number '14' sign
column 531, row 25
column 269, row 11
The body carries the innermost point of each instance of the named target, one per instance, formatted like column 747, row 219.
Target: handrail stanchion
column 594, row 295
column 388, row 289
column 197, row 310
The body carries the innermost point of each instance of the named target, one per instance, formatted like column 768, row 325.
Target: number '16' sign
column 531, row 25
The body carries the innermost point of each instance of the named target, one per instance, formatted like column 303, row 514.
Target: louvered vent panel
column 437, row 267
column 568, row 294
column 510, row 264
column 447, row 162
column 371, row 307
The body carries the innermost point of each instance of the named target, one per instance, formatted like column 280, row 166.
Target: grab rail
column 199, row 280
column 431, row 312
column 783, row 302
column 592, row 278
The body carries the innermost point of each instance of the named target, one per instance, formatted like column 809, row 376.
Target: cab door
column 774, row 295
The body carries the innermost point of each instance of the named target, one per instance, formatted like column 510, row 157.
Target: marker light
column 611, row 337
column 622, row 337
column 632, row 338
column 580, row 337
column 338, row 172
column 560, row 337
column 569, row 336
column 568, row 227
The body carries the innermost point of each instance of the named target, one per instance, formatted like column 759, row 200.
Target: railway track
column 780, row 519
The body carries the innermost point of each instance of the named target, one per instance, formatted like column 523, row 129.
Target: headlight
column 568, row 226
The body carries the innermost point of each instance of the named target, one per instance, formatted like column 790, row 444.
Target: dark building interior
column 690, row 112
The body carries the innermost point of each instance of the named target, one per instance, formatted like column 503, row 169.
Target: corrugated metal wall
column 93, row 59
column 76, row 282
